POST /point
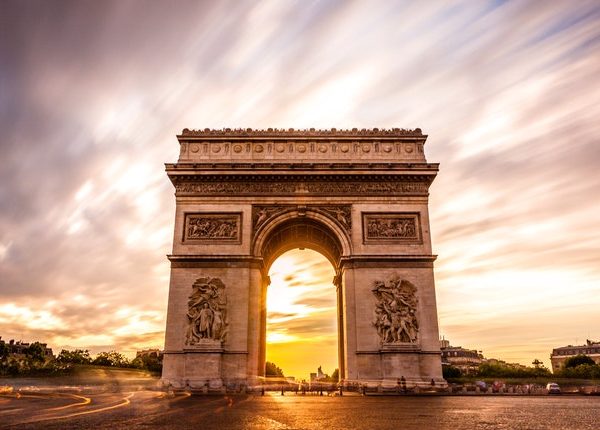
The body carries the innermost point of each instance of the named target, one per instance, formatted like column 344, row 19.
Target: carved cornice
column 299, row 166
column 204, row 187
column 311, row 132
column 388, row 261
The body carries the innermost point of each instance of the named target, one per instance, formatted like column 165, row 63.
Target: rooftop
column 310, row 132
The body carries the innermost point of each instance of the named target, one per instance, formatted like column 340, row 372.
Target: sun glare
column 301, row 309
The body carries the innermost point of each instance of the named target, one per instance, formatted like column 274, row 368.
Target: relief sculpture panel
column 396, row 311
column 214, row 227
column 391, row 227
column 207, row 313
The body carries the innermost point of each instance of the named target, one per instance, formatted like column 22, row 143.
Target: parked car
column 481, row 385
column 553, row 388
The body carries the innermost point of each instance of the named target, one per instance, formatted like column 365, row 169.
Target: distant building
column 504, row 363
column 559, row 355
column 152, row 352
column 18, row 347
column 319, row 375
column 467, row 360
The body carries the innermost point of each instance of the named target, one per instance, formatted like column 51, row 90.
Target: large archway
column 244, row 197
column 287, row 227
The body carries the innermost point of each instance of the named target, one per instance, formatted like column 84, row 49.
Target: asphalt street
column 79, row 408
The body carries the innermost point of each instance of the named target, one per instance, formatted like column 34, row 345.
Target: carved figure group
column 207, row 311
column 211, row 228
column 395, row 311
column 391, row 228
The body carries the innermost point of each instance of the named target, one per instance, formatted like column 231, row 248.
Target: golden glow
column 87, row 212
column 301, row 309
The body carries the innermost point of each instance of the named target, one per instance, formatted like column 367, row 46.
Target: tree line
column 577, row 367
column 33, row 361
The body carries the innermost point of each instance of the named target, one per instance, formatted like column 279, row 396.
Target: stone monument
column 244, row 197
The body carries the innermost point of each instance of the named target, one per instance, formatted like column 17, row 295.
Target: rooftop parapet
column 231, row 145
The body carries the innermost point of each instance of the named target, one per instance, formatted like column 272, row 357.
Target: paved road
column 147, row 409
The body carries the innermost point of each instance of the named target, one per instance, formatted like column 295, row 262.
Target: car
column 553, row 388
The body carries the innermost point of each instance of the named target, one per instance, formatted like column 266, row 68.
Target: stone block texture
column 244, row 197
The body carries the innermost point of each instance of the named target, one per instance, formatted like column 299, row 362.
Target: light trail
column 124, row 402
column 8, row 411
column 85, row 401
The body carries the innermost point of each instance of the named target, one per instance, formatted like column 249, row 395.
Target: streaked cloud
column 93, row 94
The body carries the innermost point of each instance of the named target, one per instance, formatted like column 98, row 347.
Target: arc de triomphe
column 244, row 197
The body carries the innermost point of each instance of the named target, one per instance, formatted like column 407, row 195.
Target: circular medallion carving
column 194, row 148
column 322, row 148
column 301, row 148
column 344, row 148
column 409, row 148
column 280, row 148
column 237, row 148
column 366, row 148
column 259, row 148
column 387, row 148
column 216, row 148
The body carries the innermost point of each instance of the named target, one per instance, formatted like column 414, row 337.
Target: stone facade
column 560, row 355
column 243, row 197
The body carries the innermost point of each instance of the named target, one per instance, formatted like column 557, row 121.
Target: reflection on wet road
column 76, row 408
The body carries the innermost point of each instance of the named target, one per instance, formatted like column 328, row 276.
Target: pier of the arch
column 244, row 197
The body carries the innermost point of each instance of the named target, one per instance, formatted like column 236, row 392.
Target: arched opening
column 302, row 253
column 302, row 327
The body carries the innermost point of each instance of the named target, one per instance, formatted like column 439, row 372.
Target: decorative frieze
column 207, row 313
column 213, row 227
column 391, row 227
column 396, row 311
column 276, row 144
column 295, row 188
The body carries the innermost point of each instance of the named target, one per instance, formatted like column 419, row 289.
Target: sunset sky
column 92, row 94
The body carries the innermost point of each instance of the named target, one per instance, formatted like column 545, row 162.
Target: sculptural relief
column 341, row 214
column 207, row 312
column 214, row 227
column 299, row 187
column 385, row 227
column 396, row 311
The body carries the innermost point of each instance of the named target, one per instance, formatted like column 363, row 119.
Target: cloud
column 93, row 94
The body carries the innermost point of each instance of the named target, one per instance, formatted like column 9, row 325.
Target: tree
column 582, row 371
column 3, row 350
column 150, row 362
column 77, row 356
column 500, row 370
column 536, row 363
column 335, row 376
column 112, row 358
column 449, row 371
column 578, row 360
column 271, row 369
column 35, row 352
